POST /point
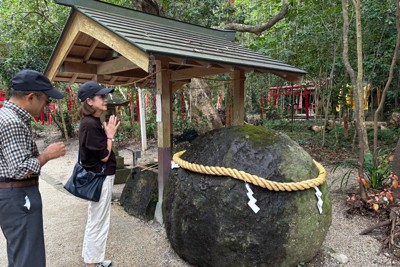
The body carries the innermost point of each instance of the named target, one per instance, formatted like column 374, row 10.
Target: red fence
column 301, row 91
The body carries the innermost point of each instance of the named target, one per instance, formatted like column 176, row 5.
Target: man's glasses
column 40, row 97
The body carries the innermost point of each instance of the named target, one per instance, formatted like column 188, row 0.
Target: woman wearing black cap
column 95, row 148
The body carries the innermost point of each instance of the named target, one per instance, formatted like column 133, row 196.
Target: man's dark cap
column 31, row 80
column 89, row 89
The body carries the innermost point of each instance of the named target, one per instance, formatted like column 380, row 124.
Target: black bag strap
column 103, row 168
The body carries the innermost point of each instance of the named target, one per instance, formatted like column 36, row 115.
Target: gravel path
column 135, row 243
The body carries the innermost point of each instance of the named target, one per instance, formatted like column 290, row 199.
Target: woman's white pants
column 98, row 224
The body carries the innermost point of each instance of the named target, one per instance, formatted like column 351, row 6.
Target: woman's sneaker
column 106, row 263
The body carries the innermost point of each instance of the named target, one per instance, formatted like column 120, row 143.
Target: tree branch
column 258, row 29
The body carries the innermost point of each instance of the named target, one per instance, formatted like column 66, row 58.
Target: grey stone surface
column 208, row 220
column 140, row 194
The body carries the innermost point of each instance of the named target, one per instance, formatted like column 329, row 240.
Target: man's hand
column 52, row 151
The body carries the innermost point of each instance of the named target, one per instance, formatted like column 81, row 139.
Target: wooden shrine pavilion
column 114, row 46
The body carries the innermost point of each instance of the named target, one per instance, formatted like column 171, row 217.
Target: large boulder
column 208, row 220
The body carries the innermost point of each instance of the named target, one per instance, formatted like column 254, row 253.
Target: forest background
column 345, row 46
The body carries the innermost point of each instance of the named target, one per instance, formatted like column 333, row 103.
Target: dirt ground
column 135, row 243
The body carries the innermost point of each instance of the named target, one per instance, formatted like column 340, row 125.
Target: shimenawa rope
column 253, row 179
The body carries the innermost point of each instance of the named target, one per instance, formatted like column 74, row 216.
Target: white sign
column 158, row 104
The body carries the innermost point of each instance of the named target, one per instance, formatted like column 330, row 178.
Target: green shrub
column 183, row 125
column 151, row 127
column 377, row 171
column 70, row 127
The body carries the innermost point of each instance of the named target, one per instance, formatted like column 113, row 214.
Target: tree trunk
column 330, row 89
column 202, row 105
column 359, row 108
column 382, row 102
column 344, row 112
column 359, row 113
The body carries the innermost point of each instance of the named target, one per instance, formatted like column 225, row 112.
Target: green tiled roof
column 163, row 36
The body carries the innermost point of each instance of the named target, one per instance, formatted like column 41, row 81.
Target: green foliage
column 386, row 137
column 37, row 128
column 206, row 13
column 377, row 171
column 183, row 126
column 151, row 127
column 70, row 126
column 28, row 33
column 126, row 132
column 350, row 166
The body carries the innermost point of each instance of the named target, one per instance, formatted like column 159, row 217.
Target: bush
column 71, row 128
column 377, row 171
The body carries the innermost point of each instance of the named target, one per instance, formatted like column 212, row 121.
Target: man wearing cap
column 20, row 162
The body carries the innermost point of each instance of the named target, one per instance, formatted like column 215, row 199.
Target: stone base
column 121, row 175
column 140, row 194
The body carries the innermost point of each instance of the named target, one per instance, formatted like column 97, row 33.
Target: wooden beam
column 178, row 85
column 73, row 59
column 85, row 47
column 113, row 79
column 99, row 78
column 114, row 41
column 80, row 60
column 188, row 73
column 137, row 73
column 292, row 77
column 71, row 34
column 238, row 96
column 73, row 79
column 185, row 62
column 192, row 63
column 83, row 68
column 91, row 50
column 116, row 65
column 110, row 81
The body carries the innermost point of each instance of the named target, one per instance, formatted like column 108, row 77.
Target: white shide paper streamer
column 252, row 202
column 320, row 202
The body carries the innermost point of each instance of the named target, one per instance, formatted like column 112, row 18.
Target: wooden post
column 137, row 108
column 238, row 94
column 142, row 115
column 164, row 122
column 228, row 108
column 306, row 101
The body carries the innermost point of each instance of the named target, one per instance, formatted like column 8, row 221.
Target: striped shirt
column 18, row 151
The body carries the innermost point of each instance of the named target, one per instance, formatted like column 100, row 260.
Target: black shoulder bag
column 85, row 184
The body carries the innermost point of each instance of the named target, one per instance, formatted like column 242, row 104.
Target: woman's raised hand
column 112, row 126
